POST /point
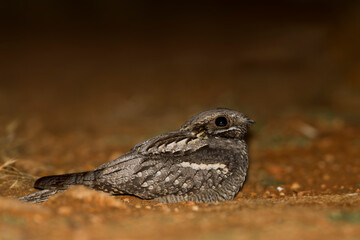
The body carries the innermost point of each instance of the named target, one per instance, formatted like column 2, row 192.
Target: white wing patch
column 162, row 148
column 170, row 147
column 180, row 145
column 202, row 166
column 183, row 145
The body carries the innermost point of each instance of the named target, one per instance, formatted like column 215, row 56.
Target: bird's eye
column 221, row 122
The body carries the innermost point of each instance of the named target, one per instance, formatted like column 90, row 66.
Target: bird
column 206, row 160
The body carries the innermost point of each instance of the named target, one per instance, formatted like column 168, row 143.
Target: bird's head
column 220, row 122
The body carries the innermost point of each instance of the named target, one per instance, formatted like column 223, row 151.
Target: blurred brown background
column 111, row 57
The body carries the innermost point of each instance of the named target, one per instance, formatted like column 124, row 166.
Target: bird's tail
column 40, row 196
column 60, row 182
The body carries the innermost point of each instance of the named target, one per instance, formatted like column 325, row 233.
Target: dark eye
column 221, row 122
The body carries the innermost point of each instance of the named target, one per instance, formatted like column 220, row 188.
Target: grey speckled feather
column 206, row 160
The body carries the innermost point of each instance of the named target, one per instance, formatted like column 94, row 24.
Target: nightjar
column 206, row 160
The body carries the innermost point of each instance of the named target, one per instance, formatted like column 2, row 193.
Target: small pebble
column 295, row 186
column 195, row 208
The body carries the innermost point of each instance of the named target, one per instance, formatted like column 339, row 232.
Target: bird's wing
column 175, row 143
column 170, row 166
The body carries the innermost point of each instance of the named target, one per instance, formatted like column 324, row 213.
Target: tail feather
column 60, row 182
column 40, row 196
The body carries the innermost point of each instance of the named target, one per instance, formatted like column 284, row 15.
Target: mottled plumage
column 206, row 160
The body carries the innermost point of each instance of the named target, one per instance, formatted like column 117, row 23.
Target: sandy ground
column 303, row 181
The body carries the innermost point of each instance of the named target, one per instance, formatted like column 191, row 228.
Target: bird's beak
column 249, row 121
